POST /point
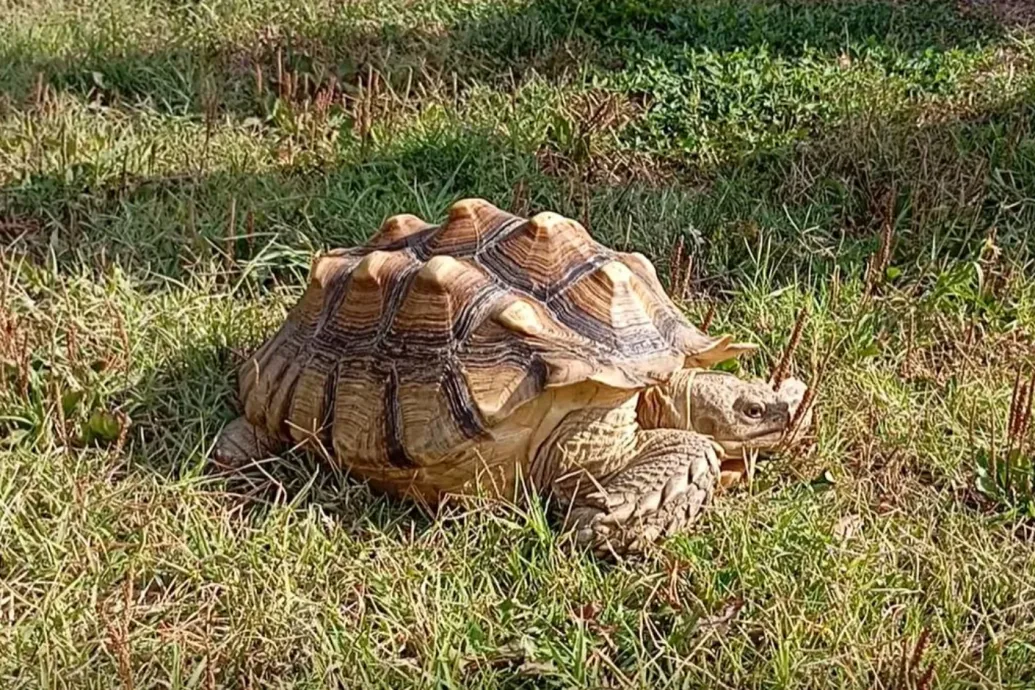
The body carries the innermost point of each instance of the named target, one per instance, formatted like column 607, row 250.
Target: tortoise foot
column 241, row 443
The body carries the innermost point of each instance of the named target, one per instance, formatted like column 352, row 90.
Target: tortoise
column 491, row 351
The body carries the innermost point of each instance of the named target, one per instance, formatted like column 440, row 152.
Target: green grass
column 162, row 191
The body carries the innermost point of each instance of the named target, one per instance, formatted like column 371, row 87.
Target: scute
column 436, row 417
column 611, row 308
column 328, row 270
column 521, row 317
column 372, row 268
column 426, row 337
column 398, row 231
column 701, row 350
column 640, row 265
column 436, row 302
column 472, row 225
column 437, row 272
column 361, row 397
column 544, row 256
column 308, row 416
column 366, row 301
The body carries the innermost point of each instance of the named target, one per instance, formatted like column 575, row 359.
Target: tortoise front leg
column 241, row 443
column 622, row 487
column 668, row 481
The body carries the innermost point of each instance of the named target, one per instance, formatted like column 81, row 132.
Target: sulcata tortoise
column 453, row 359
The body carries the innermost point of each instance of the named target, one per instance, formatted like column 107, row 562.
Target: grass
column 167, row 170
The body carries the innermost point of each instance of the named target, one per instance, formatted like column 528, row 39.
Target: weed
column 1006, row 470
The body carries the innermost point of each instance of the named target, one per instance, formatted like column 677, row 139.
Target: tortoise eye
column 754, row 411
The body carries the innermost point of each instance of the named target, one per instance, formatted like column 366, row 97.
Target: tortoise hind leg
column 663, row 491
column 241, row 443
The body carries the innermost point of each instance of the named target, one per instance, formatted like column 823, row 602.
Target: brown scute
column 505, row 367
column 398, row 231
column 477, row 307
column 639, row 374
column 250, row 371
column 398, row 455
column 643, row 268
column 265, row 378
column 521, row 317
column 364, row 303
column 549, row 227
column 372, row 268
column 327, row 277
column 613, row 308
column 427, row 434
column 439, row 274
column 441, row 291
column 534, row 323
column 701, row 349
column 307, row 415
column 720, row 350
column 360, row 399
column 307, row 310
column 500, row 384
column 425, row 338
column 329, row 270
column 544, row 256
column 472, row 225
column 282, row 395
column 492, row 386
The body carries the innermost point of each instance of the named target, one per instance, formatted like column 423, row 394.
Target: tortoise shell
column 427, row 337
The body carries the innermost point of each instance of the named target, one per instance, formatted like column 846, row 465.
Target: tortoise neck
column 668, row 405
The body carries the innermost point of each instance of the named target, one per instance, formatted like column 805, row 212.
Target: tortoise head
column 740, row 415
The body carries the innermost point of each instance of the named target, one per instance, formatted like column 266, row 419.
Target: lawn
column 168, row 168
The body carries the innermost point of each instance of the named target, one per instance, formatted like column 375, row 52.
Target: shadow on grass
column 831, row 188
column 490, row 44
column 168, row 225
column 815, row 207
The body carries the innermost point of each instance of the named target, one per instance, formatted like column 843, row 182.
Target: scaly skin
column 622, row 487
